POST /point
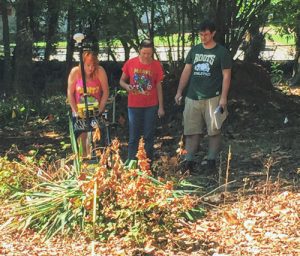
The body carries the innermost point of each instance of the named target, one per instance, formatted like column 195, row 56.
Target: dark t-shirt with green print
column 206, row 78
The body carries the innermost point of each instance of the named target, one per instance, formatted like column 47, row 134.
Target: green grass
column 276, row 35
column 43, row 44
column 272, row 35
column 281, row 39
column 2, row 49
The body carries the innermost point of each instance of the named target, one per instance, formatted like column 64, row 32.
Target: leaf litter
column 255, row 225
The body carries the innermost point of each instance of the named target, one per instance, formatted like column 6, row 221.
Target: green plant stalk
column 47, row 205
column 227, row 167
column 94, row 217
column 77, row 162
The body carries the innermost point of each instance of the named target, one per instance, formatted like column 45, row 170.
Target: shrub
column 105, row 200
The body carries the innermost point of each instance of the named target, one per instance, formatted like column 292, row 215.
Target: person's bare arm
column 105, row 88
column 124, row 82
column 161, row 111
column 225, row 87
column 185, row 76
column 71, row 89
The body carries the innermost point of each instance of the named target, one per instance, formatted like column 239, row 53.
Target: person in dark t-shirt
column 207, row 73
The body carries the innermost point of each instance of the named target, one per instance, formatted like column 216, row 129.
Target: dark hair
column 146, row 43
column 207, row 25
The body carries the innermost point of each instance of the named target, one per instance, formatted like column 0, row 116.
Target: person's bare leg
column 214, row 145
column 192, row 146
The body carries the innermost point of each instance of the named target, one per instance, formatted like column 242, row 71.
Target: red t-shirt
column 143, row 78
column 93, row 88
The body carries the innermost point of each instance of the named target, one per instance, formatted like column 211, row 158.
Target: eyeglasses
column 205, row 34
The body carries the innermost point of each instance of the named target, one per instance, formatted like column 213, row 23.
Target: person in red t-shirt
column 142, row 77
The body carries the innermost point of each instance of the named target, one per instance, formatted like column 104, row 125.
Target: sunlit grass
column 278, row 36
column 281, row 39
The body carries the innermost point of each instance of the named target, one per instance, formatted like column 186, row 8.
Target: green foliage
column 125, row 23
column 279, row 36
column 276, row 73
column 15, row 108
column 19, row 110
column 122, row 92
column 279, row 10
column 285, row 39
column 56, row 106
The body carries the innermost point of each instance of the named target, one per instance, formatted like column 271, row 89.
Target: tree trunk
column 91, row 36
column 296, row 76
column 233, row 18
column 126, row 49
column 110, row 53
column 6, row 42
column 164, row 20
column 150, row 20
column 23, row 51
column 70, row 42
column 183, row 13
column 221, row 17
column 255, row 44
column 53, row 14
column 178, row 17
column 191, row 6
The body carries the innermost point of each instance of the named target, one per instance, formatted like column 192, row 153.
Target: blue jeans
column 142, row 122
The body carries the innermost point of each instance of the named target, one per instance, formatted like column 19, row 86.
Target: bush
column 106, row 200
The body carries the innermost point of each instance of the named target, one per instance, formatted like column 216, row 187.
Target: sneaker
column 187, row 166
column 211, row 165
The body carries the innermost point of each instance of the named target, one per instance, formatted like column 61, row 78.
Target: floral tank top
column 93, row 90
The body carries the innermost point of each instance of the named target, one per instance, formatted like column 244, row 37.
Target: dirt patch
column 262, row 131
column 47, row 139
column 255, row 214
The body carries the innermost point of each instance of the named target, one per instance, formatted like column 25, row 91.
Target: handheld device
column 219, row 109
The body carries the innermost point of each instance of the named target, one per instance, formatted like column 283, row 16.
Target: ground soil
column 261, row 144
column 261, row 132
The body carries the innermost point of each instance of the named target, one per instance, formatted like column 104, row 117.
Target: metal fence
column 271, row 52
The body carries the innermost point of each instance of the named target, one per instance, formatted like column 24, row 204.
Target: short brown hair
column 207, row 25
column 146, row 43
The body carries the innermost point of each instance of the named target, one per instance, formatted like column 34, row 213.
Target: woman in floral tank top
column 97, row 90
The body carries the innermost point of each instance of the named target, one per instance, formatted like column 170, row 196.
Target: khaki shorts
column 199, row 114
